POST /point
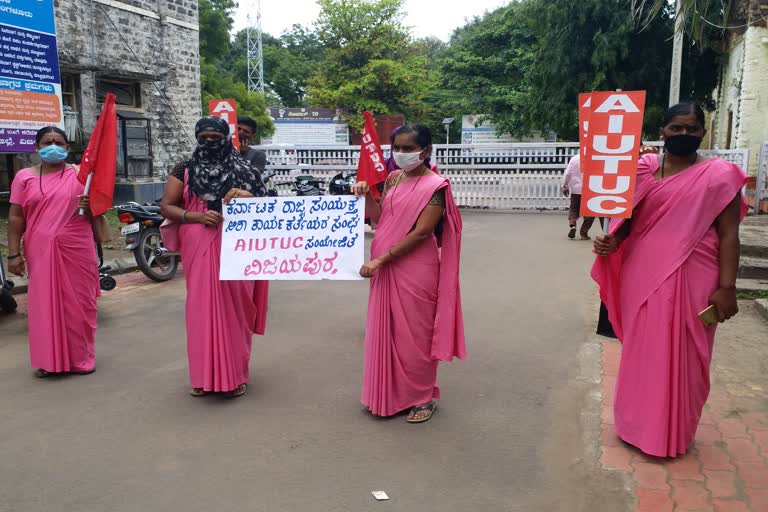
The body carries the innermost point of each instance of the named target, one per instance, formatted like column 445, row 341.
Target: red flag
column 371, row 167
column 100, row 158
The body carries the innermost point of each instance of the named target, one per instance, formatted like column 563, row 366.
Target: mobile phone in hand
column 709, row 316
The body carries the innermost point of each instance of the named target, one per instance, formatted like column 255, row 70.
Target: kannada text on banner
column 30, row 82
column 293, row 238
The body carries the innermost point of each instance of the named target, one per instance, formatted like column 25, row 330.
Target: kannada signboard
column 308, row 126
column 613, row 129
column 280, row 114
column 293, row 238
column 30, row 82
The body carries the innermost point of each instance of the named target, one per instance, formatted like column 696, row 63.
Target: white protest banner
column 293, row 238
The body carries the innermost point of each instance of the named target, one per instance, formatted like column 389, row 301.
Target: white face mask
column 407, row 161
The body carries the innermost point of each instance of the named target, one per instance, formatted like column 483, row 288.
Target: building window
column 127, row 92
column 70, row 91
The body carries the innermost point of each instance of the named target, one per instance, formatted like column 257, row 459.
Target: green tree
column 697, row 15
column 289, row 61
column 215, row 53
column 596, row 45
column 371, row 62
column 524, row 65
column 215, row 25
column 488, row 65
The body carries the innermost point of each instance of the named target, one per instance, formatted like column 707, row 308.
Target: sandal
column 413, row 416
column 196, row 392
column 84, row 372
column 42, row 374
column 238, row 391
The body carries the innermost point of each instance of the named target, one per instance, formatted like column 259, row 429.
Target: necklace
column 664, row 159
column 395, row 187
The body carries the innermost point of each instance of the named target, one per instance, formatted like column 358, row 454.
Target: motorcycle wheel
column 156, row 268
column 107, row 283
column 7, row 302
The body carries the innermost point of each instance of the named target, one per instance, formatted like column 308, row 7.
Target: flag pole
column 86, row 191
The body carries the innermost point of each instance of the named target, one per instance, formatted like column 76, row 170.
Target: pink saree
column 222, row 316
column 414, row 308
column 62, row 268
column 654, row 288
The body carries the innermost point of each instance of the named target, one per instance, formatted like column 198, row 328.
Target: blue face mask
column 53, row 154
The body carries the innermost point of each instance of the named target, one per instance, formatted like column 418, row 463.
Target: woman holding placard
column 677, row 257
column 414, row 309
column 221, row 315
column 60, row 257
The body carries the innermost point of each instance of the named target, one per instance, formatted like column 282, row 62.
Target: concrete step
column 762, row 307
column 754, row 237
column 753, row 268
column 754, row 251
column 754, row 287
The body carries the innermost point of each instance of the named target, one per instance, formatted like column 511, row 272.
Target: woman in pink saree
column 60, row 257
column 414, row 309
column 678, row 255
column 221, row 316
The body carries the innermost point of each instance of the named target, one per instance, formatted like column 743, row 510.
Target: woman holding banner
column 414, row 310
column 59, row 256
column 678, row 255
column 221, row 315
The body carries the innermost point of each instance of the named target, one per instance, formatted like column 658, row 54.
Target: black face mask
column 682, row 145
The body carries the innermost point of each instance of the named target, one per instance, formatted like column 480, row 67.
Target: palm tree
column 694, row 14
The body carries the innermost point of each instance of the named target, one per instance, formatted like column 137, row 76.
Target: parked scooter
column 142, row 236
column 7, row 302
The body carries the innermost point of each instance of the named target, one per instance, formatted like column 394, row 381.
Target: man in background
column 572, row 187
column 246, row 130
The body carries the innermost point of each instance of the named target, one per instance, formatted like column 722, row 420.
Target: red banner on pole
column 609, row 158
column 370, row 167
column 100, row 159
column 227, row 110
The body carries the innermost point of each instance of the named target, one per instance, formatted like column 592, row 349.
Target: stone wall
column 743, row 88
column 153, row 42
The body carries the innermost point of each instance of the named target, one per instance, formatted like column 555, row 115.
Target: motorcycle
column 306, row 185
column 341, row 184
column 7, row 302
column 142, row 236
column 106, row 282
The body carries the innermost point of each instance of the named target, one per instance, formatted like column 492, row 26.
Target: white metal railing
column 492, row 176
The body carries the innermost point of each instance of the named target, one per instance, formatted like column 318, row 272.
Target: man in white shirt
column 572, row 186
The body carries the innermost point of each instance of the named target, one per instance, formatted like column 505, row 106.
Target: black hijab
column 216, row 167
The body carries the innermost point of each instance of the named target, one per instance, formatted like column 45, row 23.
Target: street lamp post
column 677, row 57
column 447, row 123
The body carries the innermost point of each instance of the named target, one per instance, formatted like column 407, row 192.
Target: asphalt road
column 514, row 431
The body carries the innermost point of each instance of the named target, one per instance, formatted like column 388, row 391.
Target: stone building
column 146, row 52
column 741, row 118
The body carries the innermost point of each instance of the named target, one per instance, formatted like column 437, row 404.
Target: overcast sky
column 427, row 17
